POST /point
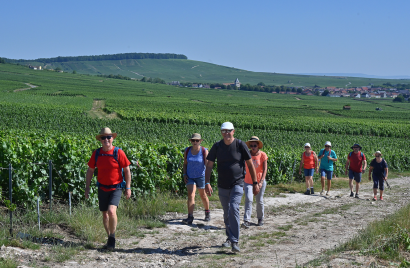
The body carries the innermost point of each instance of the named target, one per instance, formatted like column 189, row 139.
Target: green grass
column 8, row 263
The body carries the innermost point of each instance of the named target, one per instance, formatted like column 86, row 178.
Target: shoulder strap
column 116, row 154
column 361, row 153
column 350, row 154
column 186, row 151
column 97, row 153
column 203, row 153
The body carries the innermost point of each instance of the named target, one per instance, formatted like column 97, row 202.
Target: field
column 202, row 72
column 57, row 121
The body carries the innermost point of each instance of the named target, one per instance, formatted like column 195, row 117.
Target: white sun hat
column 227, row 125
column 328, row 143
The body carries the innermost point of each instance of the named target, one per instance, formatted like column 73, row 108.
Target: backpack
column 350, row 154
column 189, row 148
column 115, row 155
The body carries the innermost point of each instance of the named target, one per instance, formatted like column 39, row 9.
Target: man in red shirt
column 111, row 162
column 356, row 165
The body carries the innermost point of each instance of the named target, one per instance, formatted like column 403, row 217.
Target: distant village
column 333, row 92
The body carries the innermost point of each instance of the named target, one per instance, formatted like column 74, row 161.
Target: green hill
column 185, row 70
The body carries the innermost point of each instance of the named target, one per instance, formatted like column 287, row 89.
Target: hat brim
column 260, row 144
column 98, row 137
column 353, row 146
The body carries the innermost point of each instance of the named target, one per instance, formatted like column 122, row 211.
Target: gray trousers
column 230, row 200
column 260, row 212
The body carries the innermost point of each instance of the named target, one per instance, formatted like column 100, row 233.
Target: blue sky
column 293, row 36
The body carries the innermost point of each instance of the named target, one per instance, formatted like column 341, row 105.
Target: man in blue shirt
column 327, row 157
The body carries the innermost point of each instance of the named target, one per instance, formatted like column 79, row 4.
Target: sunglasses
column 356, row 147
column 253, row 146
column 195, row 140
column 226, row 131
column 328, row 146
column 307, row 147
column 105, row 137
column 378, row 156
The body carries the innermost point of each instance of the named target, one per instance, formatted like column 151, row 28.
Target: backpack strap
column 187, row 149
column 203, row 153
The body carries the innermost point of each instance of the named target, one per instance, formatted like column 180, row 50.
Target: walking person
column 231, row 154
column 328, row 157
column 380, row 172
column 110, row 162
column 194, row 176
column 309, row 162
column 356, row 165
column 260, row 163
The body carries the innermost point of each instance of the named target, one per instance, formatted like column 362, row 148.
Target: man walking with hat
column 232, row 154
column 356, row 165
column 110, row 161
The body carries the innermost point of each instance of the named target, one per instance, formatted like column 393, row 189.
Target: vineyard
column 52, row 122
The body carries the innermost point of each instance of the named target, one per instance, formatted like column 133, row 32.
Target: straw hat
column 196, row 136
column 254, row 139
column 105, row 131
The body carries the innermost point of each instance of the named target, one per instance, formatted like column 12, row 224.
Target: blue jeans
column 200, row 182
column 260, row 212
column 230, row 200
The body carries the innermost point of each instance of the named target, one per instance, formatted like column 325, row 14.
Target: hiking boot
column 246, row 224
column 111, row 243
column 235, row 247
column 227, row 243
column 357, row 195
column 307, row 192
column 322, row 192
column 207, row 216
column 312, row 191
column 188, row 220
column 260, row 222
column 351, row 194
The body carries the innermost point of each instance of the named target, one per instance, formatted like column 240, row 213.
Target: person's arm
column 301, row 164
column 347, row 166
column 184, row 169
column 127, row 175
column 88, row 178
column 370, row 172
column 321, row 155
column 208, row 172
column 316, row 161
column 265, row 169
column 252, row 171
column 206, row 155
column 386, row 170
column 364, row 165
column 334, row 159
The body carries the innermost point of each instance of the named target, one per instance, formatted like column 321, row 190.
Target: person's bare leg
column 191, row 198
column 204, row 198
column 112, row 215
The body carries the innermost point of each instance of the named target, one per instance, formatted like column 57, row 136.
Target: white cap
column 378, row 152
column 307, row 144
column 328, row 143
column 227, row 125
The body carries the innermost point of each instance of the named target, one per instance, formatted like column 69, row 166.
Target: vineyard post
column 69, row 201
column 50, row 181
column 38, row 211
column 11, row 200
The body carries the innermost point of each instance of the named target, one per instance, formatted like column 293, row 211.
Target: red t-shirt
column 356, row 161
column 257, row 161
column 309, row 161
column 109, row 172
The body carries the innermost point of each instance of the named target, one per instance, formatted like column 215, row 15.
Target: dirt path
column 297, row 229
column 21, row 89
column 98, row 112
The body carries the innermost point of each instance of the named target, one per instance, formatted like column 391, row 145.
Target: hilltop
column 173, row 67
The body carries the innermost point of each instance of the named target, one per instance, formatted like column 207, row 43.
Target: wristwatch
column 255, row 182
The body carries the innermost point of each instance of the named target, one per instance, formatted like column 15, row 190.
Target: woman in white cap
column 260, row 163
column 194, row 176
column 380, row 173
column 309, row 162
column 327, row 156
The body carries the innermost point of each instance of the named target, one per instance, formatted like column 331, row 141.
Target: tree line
column 120, row 56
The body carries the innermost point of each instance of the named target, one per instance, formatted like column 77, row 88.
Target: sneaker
column 260, row 222
column 246, row 224
column 322, row 192
column 111, row 243
column 351, row 194
column 381, row 198
column 207, row 216
column 375, row 198
column 235, row 247
column 227, row 243
column 357, row 195
column 307, row 192
column 188, row 220
column 327, row 193
column 312, row 191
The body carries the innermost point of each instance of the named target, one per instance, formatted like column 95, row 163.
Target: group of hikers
column 241, row 168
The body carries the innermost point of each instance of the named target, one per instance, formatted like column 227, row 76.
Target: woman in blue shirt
column 380, row 173
column 194, row 176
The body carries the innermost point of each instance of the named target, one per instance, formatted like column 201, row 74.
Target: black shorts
column 108, row 198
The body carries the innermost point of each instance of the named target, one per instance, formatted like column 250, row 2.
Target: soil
column 298, row 228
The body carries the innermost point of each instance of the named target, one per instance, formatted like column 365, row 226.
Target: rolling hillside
column 185, row 70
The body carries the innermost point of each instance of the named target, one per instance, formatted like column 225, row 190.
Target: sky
column 283, row 36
